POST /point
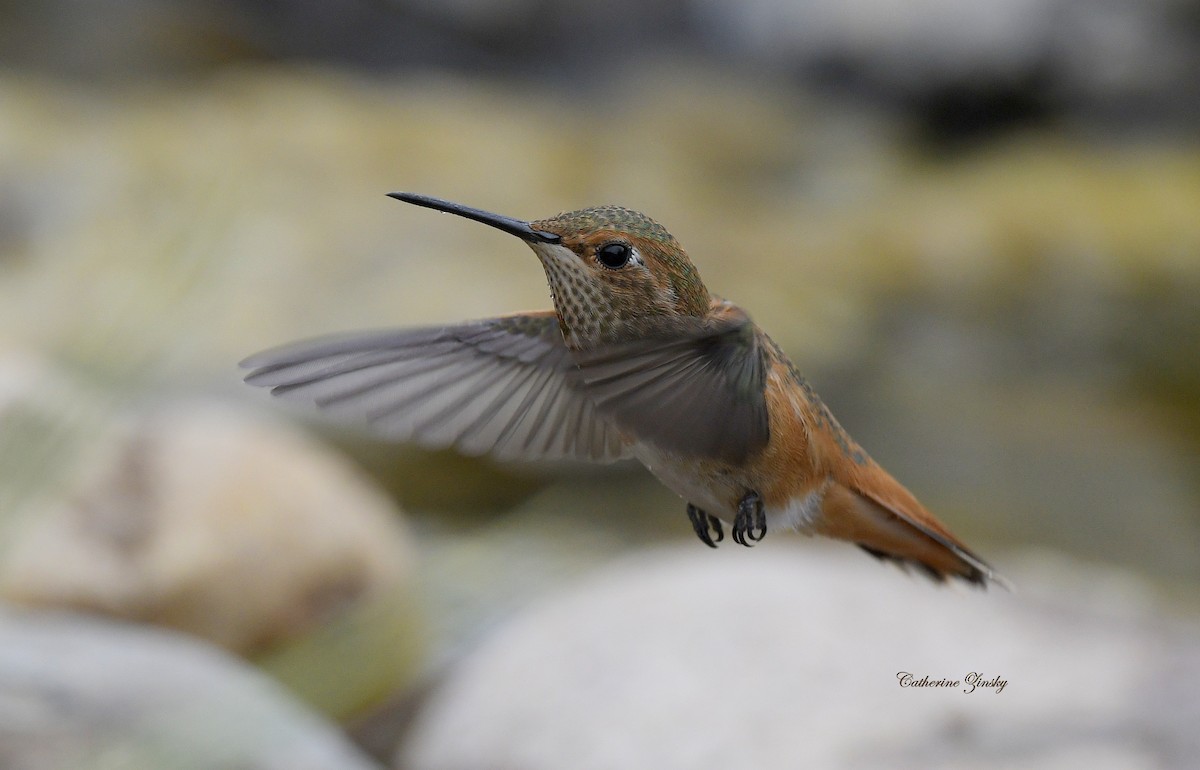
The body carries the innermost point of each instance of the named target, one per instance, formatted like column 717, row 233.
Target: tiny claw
column 715, row 523
column 760, row 524
column 700, row 524
column 750, row 523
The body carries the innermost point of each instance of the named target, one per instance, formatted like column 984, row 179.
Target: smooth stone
column 241, row 531
column 194, row 504
column 789, row 656
column 79, row 691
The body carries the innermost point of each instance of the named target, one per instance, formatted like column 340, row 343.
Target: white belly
column 681, row 477
column 719, row 494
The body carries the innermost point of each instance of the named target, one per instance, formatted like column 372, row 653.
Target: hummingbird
column 637, row 359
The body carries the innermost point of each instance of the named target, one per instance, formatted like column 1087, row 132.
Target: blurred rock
column 961, row 69
column 82, row 692
column 966, row 70
column 790, row 655
column 239, row 531
column 45, row 415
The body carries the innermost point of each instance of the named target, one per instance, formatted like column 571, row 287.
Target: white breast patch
column 800, row 513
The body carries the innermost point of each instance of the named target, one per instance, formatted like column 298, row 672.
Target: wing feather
column 502, row 386
column 694, row 388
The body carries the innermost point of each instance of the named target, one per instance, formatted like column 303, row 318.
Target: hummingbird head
column 612, row 271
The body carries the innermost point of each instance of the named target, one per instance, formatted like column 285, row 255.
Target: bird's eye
column 614, row 255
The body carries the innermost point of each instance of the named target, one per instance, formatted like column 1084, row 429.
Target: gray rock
column 83, row 692
column 203, row 518
column 1110, row 59
column 787, row 657
column 46, row 417
column 193, row 504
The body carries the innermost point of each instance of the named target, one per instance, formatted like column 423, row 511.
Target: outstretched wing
column 501, row 386
column 694, row 387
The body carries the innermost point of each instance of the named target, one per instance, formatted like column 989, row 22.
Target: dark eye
column 614, row 255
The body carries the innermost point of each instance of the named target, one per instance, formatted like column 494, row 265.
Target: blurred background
column 974, row 226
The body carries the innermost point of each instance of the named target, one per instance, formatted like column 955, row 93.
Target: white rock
column 81, row 692
column 789, row 657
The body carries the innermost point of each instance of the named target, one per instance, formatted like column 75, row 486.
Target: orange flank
column 813, row 469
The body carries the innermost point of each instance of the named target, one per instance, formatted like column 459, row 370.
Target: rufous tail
column 907, row 535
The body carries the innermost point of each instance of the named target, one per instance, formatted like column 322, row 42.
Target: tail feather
column 892, row 534
column 909, row 564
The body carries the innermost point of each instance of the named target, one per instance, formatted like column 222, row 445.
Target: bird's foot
column 702, row 522
column 750, row 524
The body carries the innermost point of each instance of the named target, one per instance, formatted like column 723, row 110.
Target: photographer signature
column 969, row 683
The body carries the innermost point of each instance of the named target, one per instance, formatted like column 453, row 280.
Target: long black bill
column 509, row 225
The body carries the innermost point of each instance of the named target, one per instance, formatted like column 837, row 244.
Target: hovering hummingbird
column 637, row 359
